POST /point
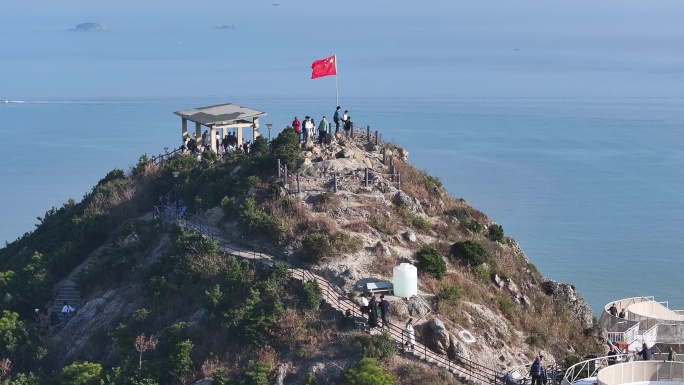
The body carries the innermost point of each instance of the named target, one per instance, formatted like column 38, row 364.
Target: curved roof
column 219, row 114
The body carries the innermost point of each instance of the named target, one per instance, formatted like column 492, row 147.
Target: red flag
column 324, row 67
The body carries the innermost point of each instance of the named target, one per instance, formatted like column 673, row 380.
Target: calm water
column 564, row 124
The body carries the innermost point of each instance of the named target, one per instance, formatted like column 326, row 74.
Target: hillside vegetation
column 164, row 304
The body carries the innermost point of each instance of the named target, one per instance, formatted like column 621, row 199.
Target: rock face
column 445, row 342
column 89, row 27
column 567, row 293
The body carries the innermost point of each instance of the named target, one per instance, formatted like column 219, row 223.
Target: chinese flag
column 324, row 67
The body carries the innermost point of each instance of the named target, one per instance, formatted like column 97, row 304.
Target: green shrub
column 256, row 221
column 496, row 233
column 508, row 308
column 313, row 294
column 316, row 247
column 431, row 261
column 470, row 252
column 482, row 272
column 383, row 224
column 368, row 372
column 228, row 206
column 310, row 379
column 421, row 223
column 474, row 226
column 535, row 340
column 257, row 373
column 450, row 295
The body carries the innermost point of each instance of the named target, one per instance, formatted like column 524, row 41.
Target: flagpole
column 337, row 94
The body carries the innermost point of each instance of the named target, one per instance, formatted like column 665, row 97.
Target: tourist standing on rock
column 613, row 310
column 297, row 126
column 306, row 129
column 410, row 336
column 384, row 311
column 336, row 119
column 66, row 309
column 323, row 128
column 536, row 370
column 348, row 125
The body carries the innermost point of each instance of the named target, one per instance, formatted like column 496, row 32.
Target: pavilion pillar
column 198, row 131
column 239, row 136
column 184, row 128
column 213, row 139
column 255, row 129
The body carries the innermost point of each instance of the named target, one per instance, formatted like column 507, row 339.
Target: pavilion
column 221, row 117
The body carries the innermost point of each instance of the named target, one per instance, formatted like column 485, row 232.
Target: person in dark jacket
column 536, row 370
column 613, row 310
column 373, row 313
column 645, row 353
column 348, row 127
column 612, row 356
column 384, row 311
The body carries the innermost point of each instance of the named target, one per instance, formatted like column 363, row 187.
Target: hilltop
column 348, row 212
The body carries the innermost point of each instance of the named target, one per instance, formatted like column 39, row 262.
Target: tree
column 180, row 360
column 82, row 373
column 142, row 345
column 286, row 148
column 368, row 372
column 313, row 294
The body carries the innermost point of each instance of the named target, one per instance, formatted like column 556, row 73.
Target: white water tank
column 405, row 280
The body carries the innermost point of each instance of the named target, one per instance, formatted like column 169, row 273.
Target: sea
column 562, row 121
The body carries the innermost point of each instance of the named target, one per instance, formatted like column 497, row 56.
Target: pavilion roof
column 219, row 114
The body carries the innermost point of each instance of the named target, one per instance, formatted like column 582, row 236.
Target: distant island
column 89, row 27
column 224, row 26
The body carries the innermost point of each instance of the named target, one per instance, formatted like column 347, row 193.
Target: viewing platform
column 645, row 321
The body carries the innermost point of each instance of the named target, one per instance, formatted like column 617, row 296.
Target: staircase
column 67, row 290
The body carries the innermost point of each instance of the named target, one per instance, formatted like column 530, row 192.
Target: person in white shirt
column 66, row 309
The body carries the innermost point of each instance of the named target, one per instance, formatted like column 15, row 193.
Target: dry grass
column 358, row 226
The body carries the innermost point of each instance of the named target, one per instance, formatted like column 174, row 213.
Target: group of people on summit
column 308, row 130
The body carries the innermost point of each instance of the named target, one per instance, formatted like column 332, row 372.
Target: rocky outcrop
column 442, row 341
column 566, row 292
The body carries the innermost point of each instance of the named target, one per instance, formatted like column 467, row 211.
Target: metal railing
column 641, row 372
column 590, row 368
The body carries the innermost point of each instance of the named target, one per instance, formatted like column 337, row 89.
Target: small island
column 89, row 27
column 224, row 26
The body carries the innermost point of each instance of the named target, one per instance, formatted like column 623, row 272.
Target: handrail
column 590, row 368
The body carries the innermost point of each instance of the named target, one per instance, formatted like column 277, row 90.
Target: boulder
column 567, row 293
column 214, row 216
column 410, row 236
column 497, row 281
column 345, row 153
column 401, row 198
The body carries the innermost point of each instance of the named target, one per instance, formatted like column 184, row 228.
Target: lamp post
column 175, row 187
column 269, row 125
